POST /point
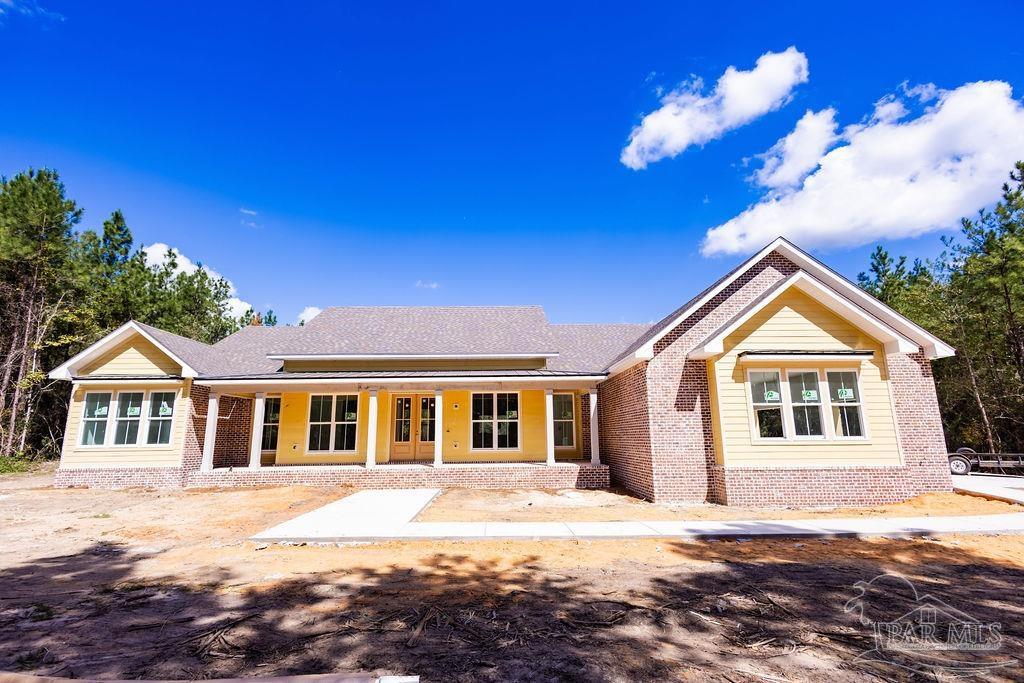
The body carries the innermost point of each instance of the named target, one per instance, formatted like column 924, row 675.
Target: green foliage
column 972, row 296
column 61, row 291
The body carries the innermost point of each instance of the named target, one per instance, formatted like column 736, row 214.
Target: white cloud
column 249, row 224
column 797, row 154
column 248, row 212
column 893, row 177
column 307, row 314
column 688, row 117
column 156, row 255
column 28, row 8
column 427, row 284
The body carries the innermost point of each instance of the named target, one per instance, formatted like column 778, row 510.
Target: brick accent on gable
column 675, row 460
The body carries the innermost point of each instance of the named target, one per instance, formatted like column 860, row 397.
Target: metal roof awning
column 804, row 355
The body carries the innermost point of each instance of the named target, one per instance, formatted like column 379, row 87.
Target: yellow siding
column 293, row 431
column 293, row 434
column 794, row 321
column 135, row 356
column 77, row 456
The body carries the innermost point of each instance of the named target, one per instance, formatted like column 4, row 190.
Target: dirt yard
column 472, row 505
column 163, row 585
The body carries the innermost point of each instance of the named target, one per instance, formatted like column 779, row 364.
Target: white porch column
column 256, row 443
column 371, row 431
column 210, row 436
column 595, row 444
column 549, row 421
column 438, row 427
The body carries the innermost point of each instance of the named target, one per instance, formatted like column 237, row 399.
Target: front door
column 412, row 428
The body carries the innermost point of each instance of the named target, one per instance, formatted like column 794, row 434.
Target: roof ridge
column 160, row 330
column 367, row 307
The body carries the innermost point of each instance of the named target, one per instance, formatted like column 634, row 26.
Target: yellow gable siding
column 796, row 322
column 75, row 455
column 135, row 356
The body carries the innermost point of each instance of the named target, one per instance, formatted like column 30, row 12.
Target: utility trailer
column 966, row 459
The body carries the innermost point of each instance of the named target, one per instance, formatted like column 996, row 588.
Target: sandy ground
column 163, row 585
column 470, row 505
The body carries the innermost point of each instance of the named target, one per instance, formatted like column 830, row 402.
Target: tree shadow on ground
column 732, row 614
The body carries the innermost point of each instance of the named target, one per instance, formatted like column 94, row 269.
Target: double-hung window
column 271, row 423
column 766, row 395
column 161, row 415
column 94, row 422
column 844, row 394
column 129, row 417
column 332, row 422
column 564, row 418
column 805, row 400
column 495, row 421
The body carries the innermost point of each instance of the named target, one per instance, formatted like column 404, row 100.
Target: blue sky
column 381, row 149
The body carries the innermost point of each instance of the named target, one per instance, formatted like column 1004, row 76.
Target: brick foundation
column 811, row 487
column 119, row 477
column 560, row 476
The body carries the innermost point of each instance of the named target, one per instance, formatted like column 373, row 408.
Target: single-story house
column 783, row 383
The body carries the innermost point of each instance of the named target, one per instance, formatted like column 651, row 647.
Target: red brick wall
column 624, row 430
column 918, row 422
column 233, row 432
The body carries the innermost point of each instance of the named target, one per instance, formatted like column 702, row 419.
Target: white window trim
column 494, row 422
column 333, row 422
column 278, row 423
column 572, row 399
column 755, row 433
column 143, row 420
column 866, row 435
column 788, row 427
column 820, row 405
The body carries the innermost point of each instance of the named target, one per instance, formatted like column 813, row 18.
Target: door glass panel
column 403, row 419
column 426, row 418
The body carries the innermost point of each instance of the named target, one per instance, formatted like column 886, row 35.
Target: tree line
column 971, row 296
column 62, row 288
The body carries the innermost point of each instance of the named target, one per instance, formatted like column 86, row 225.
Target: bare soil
column 531, row 505
column 143, row 584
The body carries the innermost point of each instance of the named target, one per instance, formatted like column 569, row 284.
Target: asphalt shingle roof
column 423, row 330
column 580, row 348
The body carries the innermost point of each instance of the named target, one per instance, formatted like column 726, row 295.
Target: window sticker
column 134, row 411
column 165, row 410
column 809, row 394
column 101, row 411
column 845, row 393
column 771, row 396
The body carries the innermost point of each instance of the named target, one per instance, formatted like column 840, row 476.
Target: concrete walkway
column 1000, row 486
column 388, row 515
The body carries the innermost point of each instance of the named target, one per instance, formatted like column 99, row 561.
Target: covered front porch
column 473, row 428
